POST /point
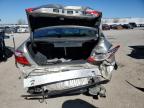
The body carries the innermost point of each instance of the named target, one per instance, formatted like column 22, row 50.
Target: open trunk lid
column 65, row 44
column 54, row 15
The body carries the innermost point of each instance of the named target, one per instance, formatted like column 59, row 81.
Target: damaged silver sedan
column 66, row 53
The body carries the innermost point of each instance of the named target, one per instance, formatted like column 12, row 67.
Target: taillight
column 91, row 59
column 29, row 10
column 20, row 58
column 93, row 12
column 98, row 57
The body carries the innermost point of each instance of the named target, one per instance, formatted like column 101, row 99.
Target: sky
column 13, row 10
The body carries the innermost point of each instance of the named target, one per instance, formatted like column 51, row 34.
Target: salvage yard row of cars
column 66, row 52
column 25, row 29
column 15, row 29
column 130, row 25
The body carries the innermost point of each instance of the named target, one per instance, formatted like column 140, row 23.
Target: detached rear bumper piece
column 66, row 91
column 60, row 77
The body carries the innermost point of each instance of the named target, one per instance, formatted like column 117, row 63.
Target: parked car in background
column 141, row 25
column 10, row 29
column 22, row 29
column 2, row 28
column 127, row 26
column 66, row 53
column 116, row 27
column 133, row 24
column 119, row 27
column 105, row 27
column 113, row 26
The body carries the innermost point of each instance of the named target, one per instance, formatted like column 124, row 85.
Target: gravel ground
column 120, row 94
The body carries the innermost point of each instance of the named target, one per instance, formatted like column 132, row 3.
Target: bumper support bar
column 66, row 91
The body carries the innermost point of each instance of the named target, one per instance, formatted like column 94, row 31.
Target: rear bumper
column 67, row 91
column 61, row 76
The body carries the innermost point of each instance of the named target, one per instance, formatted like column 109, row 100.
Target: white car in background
column 22, row 30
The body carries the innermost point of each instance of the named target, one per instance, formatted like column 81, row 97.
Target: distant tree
column 21, row 22
column 116, row 20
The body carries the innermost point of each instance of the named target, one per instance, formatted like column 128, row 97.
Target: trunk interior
column 44, row 53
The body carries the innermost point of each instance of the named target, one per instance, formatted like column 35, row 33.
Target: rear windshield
column 65, row 32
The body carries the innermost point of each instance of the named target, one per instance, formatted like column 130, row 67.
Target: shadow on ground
column 6, row 53
column 139, row 88
column 77, row 103
column 137, row 52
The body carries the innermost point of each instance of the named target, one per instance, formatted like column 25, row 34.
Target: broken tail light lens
column 91, row 59
column 20, row 58
column 97, row 57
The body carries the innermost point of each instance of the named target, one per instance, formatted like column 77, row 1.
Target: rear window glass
column 69, row 12
column 64, row 32
column 56, row 10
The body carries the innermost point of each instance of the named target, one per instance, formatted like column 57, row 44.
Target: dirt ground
column 120, row 94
